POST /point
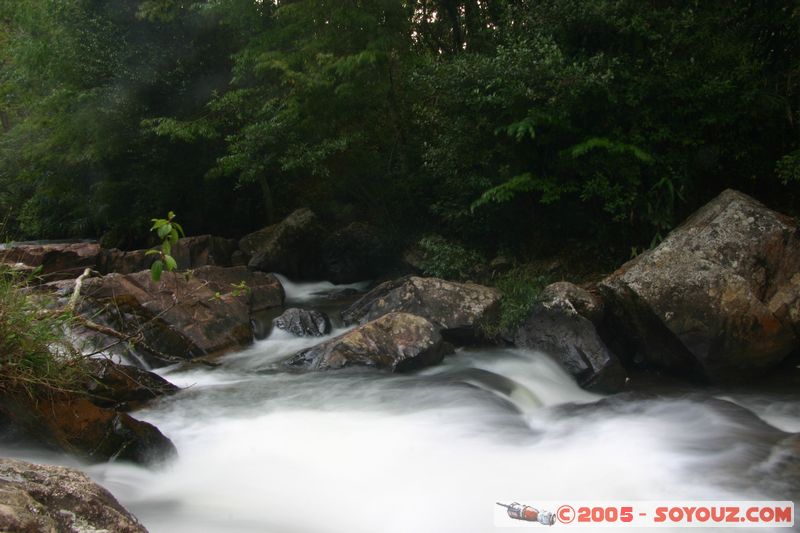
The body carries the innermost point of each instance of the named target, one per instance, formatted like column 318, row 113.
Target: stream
column 267, row 449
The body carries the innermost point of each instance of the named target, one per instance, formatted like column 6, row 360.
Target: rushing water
column 265, row 449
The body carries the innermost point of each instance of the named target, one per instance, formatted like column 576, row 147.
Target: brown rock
column 396, row 341
column 705, row 300
column 53, row 498
column 185, row 315
column 189, row 252
column 56, row 260
column 72, row 423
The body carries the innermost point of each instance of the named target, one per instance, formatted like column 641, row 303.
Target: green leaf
column 156, row 269
column 179, row 228
column 171, row 263
column 164, row 230
column 166, row 247
column 152, row 252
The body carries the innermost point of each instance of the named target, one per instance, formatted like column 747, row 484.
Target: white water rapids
column 263, row 449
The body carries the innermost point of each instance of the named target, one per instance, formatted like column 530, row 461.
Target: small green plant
column 520, row 288
column 169, row 232
column 239, row 289
column 448, row 260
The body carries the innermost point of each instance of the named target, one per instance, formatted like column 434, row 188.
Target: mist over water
column 266, row 449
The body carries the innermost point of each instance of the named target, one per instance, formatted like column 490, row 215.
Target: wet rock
column 53, row 498
column 715, row 298
column 72, row 423
column 456, row 309
column 124, row 387
column 558, row 328
column 261, row 291
column 353, row 253
column 56, row 261
column 289, row 247
column 395, row 341
column 303, row 323
column 202, row 313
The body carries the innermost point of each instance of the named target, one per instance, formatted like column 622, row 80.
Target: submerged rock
column 396, row 341
column 54, row 498
column 716, row 298
column 303, row 323
column 456, row 309
column 290, row 247
column 558, row 326
column 185, row 315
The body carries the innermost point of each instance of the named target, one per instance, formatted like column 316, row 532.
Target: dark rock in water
column 124, row 387
column 55, row 260
column 72, row 423
column 185, row 315
column 303, row 323
column 717, row 298
column 290, row 247
column 557, row 328
column 396, row 341
column 353, row 253
column 339, row 294
column 456, row 309
column 54, row 498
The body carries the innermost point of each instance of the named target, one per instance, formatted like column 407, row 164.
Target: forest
column 520, row 128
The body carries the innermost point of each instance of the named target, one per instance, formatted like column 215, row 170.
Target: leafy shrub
column 520, row 288
column 445, row 259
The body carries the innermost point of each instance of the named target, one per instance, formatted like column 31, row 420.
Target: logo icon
column 526, row 513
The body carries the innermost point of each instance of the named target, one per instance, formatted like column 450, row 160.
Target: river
column 266, row 449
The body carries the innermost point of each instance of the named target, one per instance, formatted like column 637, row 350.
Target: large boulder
column 202, row 313
column 353, row 253
column 456, row 309
column 717, row 298
column 188, row 252
column 561, row 326
column 290, row 247
column 303, row 322
column 72, row 423
column 396, row 341
column 123, row 387
column 55, row 261
column 53, row 498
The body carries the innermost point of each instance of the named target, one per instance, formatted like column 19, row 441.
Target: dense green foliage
column 513, row 126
